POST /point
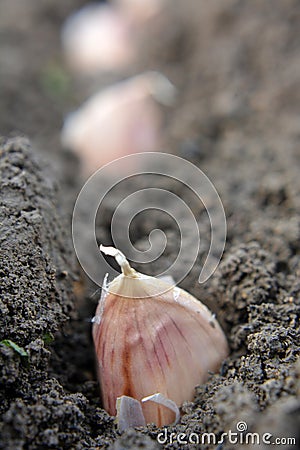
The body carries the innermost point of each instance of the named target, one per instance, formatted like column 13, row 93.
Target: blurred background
column 235, row 66
column 215, row 82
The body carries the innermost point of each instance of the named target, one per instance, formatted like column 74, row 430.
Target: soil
column 237, row 69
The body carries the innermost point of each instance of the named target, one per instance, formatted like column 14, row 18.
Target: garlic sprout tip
column 119, row 257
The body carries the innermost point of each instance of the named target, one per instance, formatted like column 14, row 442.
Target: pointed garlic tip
column 161, row 88
column 127, row 270
column 154, row 343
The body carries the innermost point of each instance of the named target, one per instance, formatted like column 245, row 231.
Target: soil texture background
column 236, row 66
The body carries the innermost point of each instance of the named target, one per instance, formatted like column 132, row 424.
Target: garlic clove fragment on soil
column 153, row 338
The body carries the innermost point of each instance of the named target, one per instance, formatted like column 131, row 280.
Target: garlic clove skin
column 153, row 338
column 160, row 399
column 129, row 413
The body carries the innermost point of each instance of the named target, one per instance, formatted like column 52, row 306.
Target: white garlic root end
column 164, row 401
column 129, row 413
column 120, row 258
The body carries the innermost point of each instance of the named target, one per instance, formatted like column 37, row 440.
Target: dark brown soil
column 237, row 68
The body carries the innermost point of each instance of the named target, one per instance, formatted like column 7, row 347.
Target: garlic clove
column 153, row 338
column 139, row 12
column 98, row 38
column 120, row 120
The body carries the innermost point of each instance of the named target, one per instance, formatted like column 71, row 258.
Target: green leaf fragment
column 48, row 338
column 14, row 346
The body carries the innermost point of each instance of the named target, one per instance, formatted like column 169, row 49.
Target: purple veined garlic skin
column 151, row 338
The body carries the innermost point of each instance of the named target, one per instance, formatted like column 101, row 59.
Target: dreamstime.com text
column 241, row 436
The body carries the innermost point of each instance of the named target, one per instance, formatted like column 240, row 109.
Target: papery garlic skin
column 150, row 338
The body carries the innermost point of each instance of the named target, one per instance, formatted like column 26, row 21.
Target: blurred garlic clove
column 118, row 121
column 158, row 86
column 97, row 38
column 153, row 338
column 138, row 12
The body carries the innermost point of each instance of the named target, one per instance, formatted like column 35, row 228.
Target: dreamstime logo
column 151, row 174
column 240, row 436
